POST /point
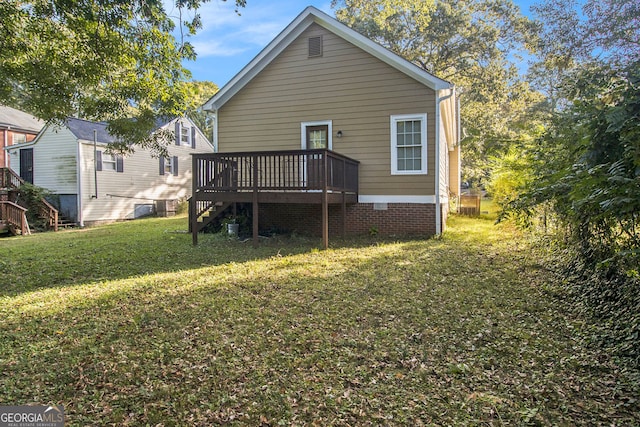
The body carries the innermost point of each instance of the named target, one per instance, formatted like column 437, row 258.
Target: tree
column 468, row 42
column 200, row 92
column 585, row 168
column 102, row 60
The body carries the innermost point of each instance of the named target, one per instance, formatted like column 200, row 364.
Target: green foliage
column 31, row 197
column 108, row 60
column 201, row 92
column 587, row 169
column 583, row 184
column 145, row 329
column 509, row 175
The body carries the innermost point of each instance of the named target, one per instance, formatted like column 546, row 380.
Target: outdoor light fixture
column 339, row 134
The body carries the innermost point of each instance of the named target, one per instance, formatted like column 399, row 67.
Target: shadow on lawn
column 138, row 248
column 335, row 338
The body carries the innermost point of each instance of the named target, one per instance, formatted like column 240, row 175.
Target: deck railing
column 296, row 170
column 15, row 216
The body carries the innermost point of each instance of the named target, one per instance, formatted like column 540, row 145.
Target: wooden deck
column 320, row 177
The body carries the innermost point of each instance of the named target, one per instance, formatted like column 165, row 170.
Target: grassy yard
column 128, row 324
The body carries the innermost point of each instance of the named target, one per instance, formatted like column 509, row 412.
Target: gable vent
column 315, row 46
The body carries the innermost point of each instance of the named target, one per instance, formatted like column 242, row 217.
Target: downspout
column 438, row 125
column 215, row 131
column 95, row 162
column 6, row 147
column 79, row 179
column 459, row 139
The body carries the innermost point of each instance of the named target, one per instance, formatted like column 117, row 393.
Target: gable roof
column 83, row 129
column 310, row 16
column 19, row 120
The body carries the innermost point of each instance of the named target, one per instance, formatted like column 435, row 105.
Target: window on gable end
column 185, row 135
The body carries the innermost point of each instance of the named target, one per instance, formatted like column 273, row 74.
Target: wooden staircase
column 206, row 212
column 13, row 216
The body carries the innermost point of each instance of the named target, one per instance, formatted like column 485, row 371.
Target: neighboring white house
column 93, row 186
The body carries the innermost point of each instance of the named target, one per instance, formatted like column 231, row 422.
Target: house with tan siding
column 323, row 97
column 92, row 185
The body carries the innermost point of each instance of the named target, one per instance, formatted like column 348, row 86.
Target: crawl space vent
column 315, row 46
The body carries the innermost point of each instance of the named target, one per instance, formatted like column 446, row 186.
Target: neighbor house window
column 185, row 136
column 169, row 166
column 108, row 162
column 409, row 144
column 19, row 138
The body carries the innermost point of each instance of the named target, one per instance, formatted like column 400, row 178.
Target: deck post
column 325, row 203
column 255, row 200
column 344, row 199
column 193, row 205
column 344, row 215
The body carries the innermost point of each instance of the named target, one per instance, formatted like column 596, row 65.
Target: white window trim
column 22, row 137
column 170, row 161
column 188, row 143
column 303, row 132
column 109, row 159
column 394, row 141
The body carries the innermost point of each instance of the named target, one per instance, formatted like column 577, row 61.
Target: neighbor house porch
column 319, row 176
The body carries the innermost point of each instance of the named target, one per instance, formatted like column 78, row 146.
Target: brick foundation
column 362, row 218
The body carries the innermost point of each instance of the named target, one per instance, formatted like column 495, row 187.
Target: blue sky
column 227, row 42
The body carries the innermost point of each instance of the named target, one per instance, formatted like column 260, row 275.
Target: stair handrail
column 15, row 215
column 50, row 213
column 10, row 179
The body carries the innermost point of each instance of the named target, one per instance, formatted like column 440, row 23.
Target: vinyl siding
column 54, row 161
column 140, row 183
column 353, row 89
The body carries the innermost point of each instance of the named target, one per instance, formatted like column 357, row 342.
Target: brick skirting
column 362, row 218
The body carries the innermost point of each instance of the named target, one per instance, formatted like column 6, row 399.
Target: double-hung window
column 169, row 166
column 409, row 144
column 19, row 138
column 185, row 136
column 108, row 162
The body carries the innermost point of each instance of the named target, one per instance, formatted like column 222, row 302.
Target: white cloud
column 225, row 33
column 205, row 48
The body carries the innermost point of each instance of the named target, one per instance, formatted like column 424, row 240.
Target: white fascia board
column 21, row 145
column 33, row 142
column 309, row 16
